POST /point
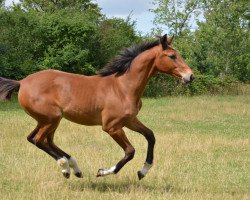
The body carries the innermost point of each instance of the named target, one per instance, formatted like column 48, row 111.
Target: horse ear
column 170, row 40
column 164, row 41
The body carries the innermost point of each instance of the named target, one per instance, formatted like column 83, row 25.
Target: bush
column 163, row 85
column 78, row 42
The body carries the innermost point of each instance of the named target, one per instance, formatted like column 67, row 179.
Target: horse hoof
column 66, row 174
column 79, row 175
column 140, row 175
column 99, row 173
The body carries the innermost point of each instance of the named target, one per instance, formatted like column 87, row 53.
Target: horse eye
column 173, row 57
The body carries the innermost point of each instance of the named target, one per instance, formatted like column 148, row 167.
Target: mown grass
column 202, row 152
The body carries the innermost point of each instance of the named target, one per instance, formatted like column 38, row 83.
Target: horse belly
column 83, row 117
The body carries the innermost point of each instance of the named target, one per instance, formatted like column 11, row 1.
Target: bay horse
column 112, row 99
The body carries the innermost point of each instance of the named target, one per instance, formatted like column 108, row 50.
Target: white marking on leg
column 146, row 168
column 105, row 172
column 73, row 164
column 64, row 164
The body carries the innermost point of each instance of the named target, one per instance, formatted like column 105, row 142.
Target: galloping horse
column 111, row 99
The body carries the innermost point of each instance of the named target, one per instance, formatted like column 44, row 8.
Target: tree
column 79, row 41
column 18, row 43
column 33, row 41
column 2, row 3
column 66, row 37
column 219, row 46
column 222, row 40
column 52, row 5
column 176, row 15
column 115, row 34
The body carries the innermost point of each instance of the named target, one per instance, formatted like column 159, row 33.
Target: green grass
column 202, row 152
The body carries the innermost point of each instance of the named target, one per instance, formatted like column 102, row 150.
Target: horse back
column 54, row 93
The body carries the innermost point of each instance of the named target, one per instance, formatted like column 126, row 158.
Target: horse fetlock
column 142, row 173
column 74, row 166
column 105, row 172
column 64, row 164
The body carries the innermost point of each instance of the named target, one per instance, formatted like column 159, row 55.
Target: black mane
column 121, row 63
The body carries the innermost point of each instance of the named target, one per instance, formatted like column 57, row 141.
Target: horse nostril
column 191, row 77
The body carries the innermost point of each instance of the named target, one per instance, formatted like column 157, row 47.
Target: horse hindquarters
column 43, row 108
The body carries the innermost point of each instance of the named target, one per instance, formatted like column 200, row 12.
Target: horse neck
column 134, row 81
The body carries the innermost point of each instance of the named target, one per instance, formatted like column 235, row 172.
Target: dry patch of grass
column 202, row 152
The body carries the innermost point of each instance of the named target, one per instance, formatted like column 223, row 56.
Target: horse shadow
column 118, row 186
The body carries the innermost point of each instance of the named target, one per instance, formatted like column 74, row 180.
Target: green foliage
column 70, row 41
column 176, row 15
column 222, row 41
column 18, row 43
column 2, row 3
column 162, row 85
column 114, row 35
column 52, row 5
column 66, row 38
column 33, row 41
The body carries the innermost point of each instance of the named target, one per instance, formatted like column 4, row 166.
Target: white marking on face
column 146, row 168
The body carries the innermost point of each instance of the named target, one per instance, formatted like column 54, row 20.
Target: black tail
column 7, row 87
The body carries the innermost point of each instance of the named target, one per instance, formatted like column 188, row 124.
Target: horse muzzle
column 187, row 78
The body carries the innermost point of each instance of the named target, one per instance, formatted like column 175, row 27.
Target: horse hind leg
column 71, row 160
column 38, row 138
column 41, row 137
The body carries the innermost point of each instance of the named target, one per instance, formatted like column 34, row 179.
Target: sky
column 137, row 9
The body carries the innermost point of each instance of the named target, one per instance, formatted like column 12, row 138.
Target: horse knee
column 130, row 153
column 36, row 141
column 30, row 139
column 31, row 136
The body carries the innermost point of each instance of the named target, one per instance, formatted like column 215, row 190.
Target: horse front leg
column 139, row 127
column 119, row 136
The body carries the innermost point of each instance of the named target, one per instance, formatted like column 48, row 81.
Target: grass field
column 202, row 152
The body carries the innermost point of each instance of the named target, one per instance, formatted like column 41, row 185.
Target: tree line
column 72, row 36
column 75, row 36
